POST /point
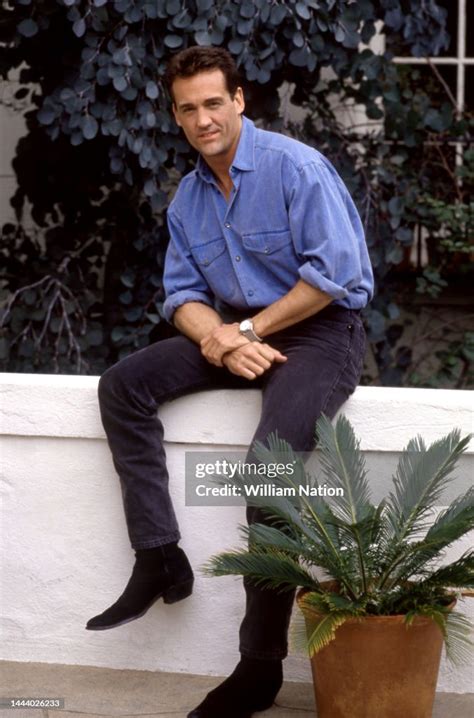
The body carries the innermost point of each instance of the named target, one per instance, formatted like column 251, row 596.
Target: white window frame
column 460, row 60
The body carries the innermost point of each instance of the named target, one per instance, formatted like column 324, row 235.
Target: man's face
column 209, row 116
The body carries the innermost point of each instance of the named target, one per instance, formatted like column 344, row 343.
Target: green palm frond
column 456, row 630
column 312, row 519
column 458, row 574
column 320, row 614
column 270, row 537
column 321, row 513
column 273, row 569
column 331, row 601
column 456, row 520
column 314, row 530
column 415, row 557
column 343, row 465
column 316, row 513
column 420, row 479
column 457, row 639
column 279, row 451
column 310, row 633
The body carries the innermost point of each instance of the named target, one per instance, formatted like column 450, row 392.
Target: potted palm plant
column 376, row 605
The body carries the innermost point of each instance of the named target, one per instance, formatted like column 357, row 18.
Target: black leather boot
column 161, row 572
column 253, row 686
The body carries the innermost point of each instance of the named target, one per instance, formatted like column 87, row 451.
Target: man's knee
column 123, row 377
column 112, row 382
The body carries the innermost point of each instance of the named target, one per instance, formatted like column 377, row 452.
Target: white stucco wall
column 65, row 550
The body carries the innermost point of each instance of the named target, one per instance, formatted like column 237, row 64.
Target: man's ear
column 239, row 98
column 175, row 113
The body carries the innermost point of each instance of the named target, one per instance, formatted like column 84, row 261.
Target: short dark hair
column 202, row 59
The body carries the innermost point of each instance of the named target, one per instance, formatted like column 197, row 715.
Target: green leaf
column 458, row 639
column 303, row 10
column 154, row 318
column 46, row 116
column 203, row 37
column 277, row 15
column 343, row 465
column 120, row 83
column 396, row 205
column 90, row 127
column 266, row 569
column 151, row 90
column 173, row 7
column 128, row 278
column 420, row 480
column 322, row 630
column 133, row 314
column 79, row 27
column 247, row 9
column 173, row 42
column 28, row 27
column 117, row 334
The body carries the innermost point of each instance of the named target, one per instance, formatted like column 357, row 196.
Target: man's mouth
column 208, row 135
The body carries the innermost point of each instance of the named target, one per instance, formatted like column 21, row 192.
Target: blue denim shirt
column 288, row 217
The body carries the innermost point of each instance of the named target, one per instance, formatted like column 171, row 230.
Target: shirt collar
column 244, row 156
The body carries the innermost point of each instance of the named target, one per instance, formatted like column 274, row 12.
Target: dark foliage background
column 102, row 156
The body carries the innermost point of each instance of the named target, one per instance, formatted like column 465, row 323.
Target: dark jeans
column 325, row 355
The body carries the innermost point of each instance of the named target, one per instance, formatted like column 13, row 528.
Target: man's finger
column 270, row 353
column 249, row 354
column 243, row 371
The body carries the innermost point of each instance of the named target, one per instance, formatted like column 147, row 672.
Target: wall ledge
column 384, row 418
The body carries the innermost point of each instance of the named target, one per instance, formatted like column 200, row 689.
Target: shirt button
column 250, row 292
column 237, row 259
column 227, row 225
column 205, row 262
column 266, row 250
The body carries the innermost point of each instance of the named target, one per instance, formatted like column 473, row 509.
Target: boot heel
column 177, row 593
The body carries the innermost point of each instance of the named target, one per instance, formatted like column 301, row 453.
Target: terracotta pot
column 378, row 667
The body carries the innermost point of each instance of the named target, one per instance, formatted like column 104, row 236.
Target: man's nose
column 203, row 118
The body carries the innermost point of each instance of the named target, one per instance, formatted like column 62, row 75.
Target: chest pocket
column 206, row 254
column 267, row 242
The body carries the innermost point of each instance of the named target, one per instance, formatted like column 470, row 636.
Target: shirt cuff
column 311, row 275
column 177, row 299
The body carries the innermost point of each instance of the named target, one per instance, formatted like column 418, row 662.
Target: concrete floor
column 90, row 692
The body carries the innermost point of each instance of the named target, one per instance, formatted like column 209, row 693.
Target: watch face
column 246, row 325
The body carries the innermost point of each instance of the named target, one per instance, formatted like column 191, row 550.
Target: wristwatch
column 247, row 330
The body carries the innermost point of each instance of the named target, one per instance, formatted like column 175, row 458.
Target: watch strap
column 249, row 332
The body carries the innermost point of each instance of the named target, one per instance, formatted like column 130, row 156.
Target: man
column 265, row 275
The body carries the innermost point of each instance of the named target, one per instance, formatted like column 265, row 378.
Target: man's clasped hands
column 225, row 346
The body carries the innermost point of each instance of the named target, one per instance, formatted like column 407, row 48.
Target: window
column 449, row 75
column 455, row 65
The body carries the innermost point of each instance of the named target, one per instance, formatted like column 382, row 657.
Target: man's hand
column 252, row 359
column 220, row 341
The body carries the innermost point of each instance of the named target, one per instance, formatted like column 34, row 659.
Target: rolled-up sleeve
column 182, row 280
column 326, row 230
